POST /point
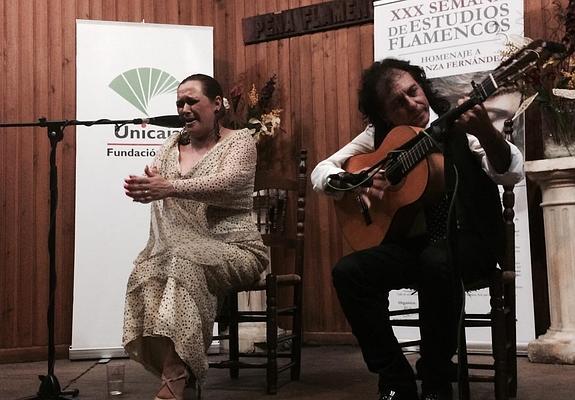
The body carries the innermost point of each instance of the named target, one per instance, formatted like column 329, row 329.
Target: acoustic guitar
column 412, row 163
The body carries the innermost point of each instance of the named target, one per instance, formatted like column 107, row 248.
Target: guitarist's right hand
column 376, row 190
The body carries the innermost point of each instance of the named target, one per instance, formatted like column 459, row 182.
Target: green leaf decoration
column 139, row 85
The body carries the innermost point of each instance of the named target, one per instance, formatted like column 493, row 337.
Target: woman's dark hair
column 381, row 72
column 210, row 87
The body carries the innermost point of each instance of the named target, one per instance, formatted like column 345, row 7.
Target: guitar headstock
column 532, row 56
column 508, row 73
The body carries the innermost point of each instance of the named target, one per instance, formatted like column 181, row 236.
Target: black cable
column 73, row 380
column 368, row 177
column 459, row 277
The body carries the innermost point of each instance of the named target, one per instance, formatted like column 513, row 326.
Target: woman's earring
column 184, row 138
column 217, row 129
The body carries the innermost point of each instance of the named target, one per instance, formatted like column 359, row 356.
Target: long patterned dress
column 202, row 243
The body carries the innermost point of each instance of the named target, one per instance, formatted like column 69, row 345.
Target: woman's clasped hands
column 148, row 187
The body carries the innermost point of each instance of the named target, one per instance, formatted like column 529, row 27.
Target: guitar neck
column 479, row 94
column 404, row 161
column 425, row 143
column 418, row 152
column 506, row 74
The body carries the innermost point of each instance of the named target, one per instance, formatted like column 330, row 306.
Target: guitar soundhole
column 396, row 187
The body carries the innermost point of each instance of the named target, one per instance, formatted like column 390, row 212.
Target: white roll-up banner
column 125, row 71
column 457, row 42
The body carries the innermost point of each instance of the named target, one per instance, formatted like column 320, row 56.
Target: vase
column 558, row 126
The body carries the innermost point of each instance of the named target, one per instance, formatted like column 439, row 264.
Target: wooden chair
column 501, row 319
column 278, row 200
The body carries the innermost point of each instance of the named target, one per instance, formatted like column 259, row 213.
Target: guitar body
column 394, row 214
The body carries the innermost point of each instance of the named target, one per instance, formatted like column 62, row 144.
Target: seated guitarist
column 395, row 93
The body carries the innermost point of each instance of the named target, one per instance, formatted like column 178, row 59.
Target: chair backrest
column 507, row 263
column 276, row 199
column 508, row 200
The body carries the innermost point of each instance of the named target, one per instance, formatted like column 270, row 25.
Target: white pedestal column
column 556, row 177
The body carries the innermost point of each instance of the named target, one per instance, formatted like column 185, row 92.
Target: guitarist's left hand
column 476, row 122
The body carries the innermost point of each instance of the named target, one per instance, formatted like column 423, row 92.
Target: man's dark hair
column 369, row 102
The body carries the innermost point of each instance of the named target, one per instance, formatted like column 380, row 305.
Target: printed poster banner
column 446, row 37
column 457, row 42
column 124, row 71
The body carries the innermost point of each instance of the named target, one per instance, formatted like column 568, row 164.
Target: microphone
column 345, row 180
column 168, row 121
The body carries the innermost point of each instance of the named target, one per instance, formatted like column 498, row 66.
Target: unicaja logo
column 139, row 85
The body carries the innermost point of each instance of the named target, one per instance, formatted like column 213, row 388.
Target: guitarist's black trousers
column 363, row 280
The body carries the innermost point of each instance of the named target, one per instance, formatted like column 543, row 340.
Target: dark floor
column 328, row 372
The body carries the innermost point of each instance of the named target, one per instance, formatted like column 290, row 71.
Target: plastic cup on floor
column 115, row 379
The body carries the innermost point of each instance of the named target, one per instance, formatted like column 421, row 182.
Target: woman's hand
column 149, row 187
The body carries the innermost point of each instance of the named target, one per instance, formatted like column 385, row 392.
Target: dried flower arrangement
column 254, row 110
column 552, row 85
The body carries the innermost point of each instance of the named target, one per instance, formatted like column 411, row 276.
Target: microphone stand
column 50, row 387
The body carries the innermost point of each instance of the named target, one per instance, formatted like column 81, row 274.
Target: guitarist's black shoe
column 437, row 396
column 390, row 394
column 443, row 392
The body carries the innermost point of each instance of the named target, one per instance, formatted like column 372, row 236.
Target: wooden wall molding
column 318, row 338
column 33, row 353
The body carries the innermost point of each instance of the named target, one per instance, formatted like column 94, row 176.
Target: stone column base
column 553, row 348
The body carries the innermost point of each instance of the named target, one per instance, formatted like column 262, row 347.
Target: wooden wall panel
column 67, row 174
column 25, row 165
column 12, row 170
column 318, row 76
column 5, row 185
column 41, row 161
